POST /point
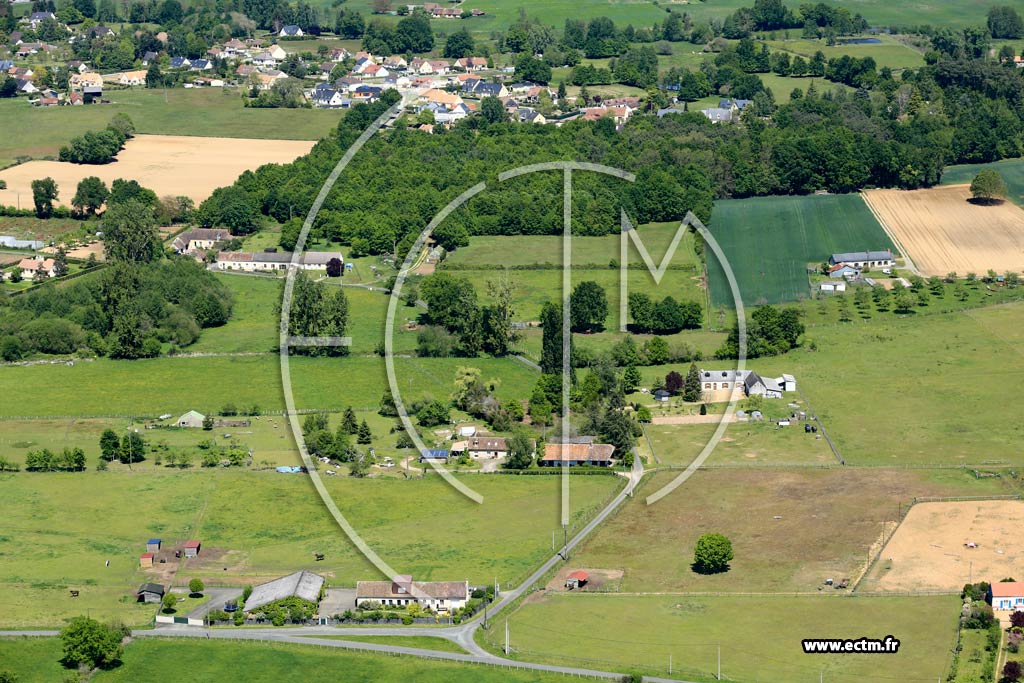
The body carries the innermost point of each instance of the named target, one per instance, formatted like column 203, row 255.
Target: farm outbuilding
column 192, row 419
column 153, row 545
column 146, row 560
column 150, row 592
column 192, row 548
column 576, row 579
column 302, row 584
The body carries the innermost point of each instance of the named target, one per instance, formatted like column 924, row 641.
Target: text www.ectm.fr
column 887, row 645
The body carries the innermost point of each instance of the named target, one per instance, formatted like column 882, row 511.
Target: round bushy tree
column 712, row 554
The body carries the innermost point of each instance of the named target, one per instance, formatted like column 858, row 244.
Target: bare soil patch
column 929, row 551
column 167, row 164
column 600, row 579
column 942, row 231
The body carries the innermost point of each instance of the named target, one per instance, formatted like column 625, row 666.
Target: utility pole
column 719, row 662
column 669, row 663
column 506, row 638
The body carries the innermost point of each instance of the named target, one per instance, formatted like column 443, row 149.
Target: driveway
column 218, row 596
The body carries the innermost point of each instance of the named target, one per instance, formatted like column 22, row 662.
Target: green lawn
column 1012, row 171
column 790, row 528
column 32, row 660
column 890, row 52
column 264, row 663
column 916, row 391
column 769, row 242
column 759, row 637
column 254, row 320
column 61, row 529
column 218, row 112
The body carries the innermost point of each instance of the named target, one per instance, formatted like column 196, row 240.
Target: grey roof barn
column 302, row 584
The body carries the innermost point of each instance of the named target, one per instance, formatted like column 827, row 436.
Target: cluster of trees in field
column 458, row 324
column 317, row 312
column 341, row 444
column 99, row 147
column 771, row 331
column 663, row 317
column 128, row 310
column 45, row 460
column 816, row 20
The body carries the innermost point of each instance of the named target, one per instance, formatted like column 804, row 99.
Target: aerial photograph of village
column 511, row 341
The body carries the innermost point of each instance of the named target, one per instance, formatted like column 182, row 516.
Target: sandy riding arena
column 167, row 164
column 930, row 548
column 941, row 231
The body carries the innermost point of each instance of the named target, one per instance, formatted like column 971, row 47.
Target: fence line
column 821, row 425
column 902, row 513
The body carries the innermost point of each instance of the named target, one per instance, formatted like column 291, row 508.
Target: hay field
column 927, row 551
column 942, row 231
column 167, row 164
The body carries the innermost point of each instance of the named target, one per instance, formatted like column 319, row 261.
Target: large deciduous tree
column 712, row 554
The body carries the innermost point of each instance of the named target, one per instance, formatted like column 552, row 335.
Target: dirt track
column 942, row 232
column 928, row 552
column 167, row 164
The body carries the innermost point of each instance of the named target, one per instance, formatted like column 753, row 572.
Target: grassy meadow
column 770, row 241
column 260, row 526
column 1012, row 171
column 759, row 637
column 36, row 660
column 790, row 528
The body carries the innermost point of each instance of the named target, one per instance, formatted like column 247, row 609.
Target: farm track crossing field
column 759, row 637
column 928, row 550
column 770, row 241
column 942, row 231
column 790, row 528
column 59, row 532
column 167, row 164
column 211, row 112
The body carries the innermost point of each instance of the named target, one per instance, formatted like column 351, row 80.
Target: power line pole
column 719, row 662
column 506, row 638
column 669, row 663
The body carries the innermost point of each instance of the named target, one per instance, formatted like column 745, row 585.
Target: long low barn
column 302, row 584
column 274, row 260
column 403, row 591
column 572, row 454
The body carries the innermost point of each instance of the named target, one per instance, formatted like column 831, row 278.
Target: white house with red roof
column 1007, row 596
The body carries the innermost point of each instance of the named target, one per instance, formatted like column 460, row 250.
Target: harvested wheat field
column 167, row 164
column 929, row 550
column 941, row 231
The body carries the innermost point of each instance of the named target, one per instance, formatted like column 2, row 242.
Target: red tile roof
column 1007, row 589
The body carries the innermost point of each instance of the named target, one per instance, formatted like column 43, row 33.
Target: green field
column 1012, row 171
column 769, row 242
column 35, row 660
column 217, row 112
column 759, row 637
column 60, row 529
column 890, row 52
column 925, row 391
column 790, row 528
column 254, row 320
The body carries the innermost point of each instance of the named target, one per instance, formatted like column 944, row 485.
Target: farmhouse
column 150, row 592
column 273, row 260
column 440, row 596
column 572, row 454
column 31, row 267
column 1007, row 595
column 192, row 418
column 192, row 548
column 291, row 31
column 199, row 238
column 302, row 584
column 864, row 259
column 749, row 381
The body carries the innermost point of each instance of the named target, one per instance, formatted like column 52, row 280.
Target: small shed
column 661, row 395
column 576, row 579
column 153, row 545
column 467, row 431
column 192, row 548
column 146, row 560
column 150, row 592
column 192, row 418
column 434, row 454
